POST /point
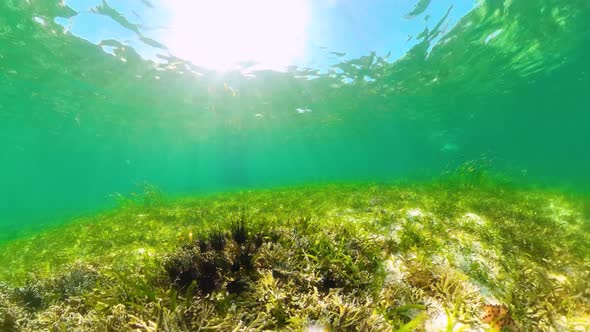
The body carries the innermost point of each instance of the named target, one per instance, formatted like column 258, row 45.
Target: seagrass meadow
column 294, row 165
column 337, row 257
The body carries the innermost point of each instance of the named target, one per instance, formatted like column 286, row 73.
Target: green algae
column 342, row 257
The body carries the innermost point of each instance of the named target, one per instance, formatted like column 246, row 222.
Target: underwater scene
column 295, row 165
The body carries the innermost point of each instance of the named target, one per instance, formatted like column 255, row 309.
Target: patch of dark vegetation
column 330, row 281
column 30, row 295
column 207, row 283
column 217, row 241
column 258, row 240
column 202, row 244
column 75, row 281
column 226, row 265
column 246, row 260
column 274, row 236
column 239, row 232
column 8, row 322
column 40, row 300
column 236, row 286
column 180, row 268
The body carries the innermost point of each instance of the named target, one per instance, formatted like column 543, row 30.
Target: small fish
column 499, row 318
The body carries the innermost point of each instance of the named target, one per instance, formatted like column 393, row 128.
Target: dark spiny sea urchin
column 239, row 232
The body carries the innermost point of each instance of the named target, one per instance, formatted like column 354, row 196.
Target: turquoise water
column 505, row 84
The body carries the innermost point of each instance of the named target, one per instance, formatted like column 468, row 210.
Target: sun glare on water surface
column 219, row 34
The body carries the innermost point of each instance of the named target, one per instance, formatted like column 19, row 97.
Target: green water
column 78, row 124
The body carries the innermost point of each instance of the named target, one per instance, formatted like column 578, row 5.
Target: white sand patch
column 473, row 218
column 395, row 270
column 414, row 213
column 395, row 232
column 438, row 318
